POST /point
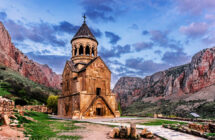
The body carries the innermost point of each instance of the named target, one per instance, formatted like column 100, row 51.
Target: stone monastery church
column 86, row 89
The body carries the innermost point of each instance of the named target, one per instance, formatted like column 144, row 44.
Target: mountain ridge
column 173, row 84
column 13, row 58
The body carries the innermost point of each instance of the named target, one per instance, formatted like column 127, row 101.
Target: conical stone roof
column 84, row 32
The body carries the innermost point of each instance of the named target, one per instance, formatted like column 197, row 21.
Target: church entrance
column 98, row 112
column 99, row 109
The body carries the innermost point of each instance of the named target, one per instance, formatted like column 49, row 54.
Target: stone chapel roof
column 75, row 69
column 84, row 32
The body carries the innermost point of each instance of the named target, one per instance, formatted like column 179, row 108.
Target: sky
column 136, row 37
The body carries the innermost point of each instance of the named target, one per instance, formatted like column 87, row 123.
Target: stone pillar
column 73, row 51
column 84, row 47
column 95, row 52
column 90, row 51
column 78, row 50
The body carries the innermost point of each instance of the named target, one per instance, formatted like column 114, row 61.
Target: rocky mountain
column 173, row 84
column 13, row 58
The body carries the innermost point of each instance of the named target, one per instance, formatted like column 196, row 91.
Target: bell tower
column 84, row 45
column 86, row 81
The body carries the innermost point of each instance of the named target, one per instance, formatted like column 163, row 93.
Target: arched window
column 93, row 51
column 81, row 50
column 87, row 50
column 75, row 51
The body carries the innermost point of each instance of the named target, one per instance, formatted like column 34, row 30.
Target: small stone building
column 86, row 81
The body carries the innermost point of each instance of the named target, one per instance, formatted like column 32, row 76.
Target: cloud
column 143, row 46
column 210, row 17
column 96, row 32
column 159, row 37
column 209, row 39
column 145, row 32
column 195, row 30
column 56, row 62
column 176, row 58
column 145, row 66
column 3, row 15
column 113, row 37
column 134, row 27
column 66, row 27
column 115, row 51
column 43, row 32
column 162, row 39
column 159, row 52
column 195, row 7
column 99, row 10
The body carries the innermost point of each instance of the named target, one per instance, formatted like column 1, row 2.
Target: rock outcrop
column 174, row 82
column 13, row 58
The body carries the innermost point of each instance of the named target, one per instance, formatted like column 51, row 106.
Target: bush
column 3, row 92
column 5, row 85
column 52, row 103
column 119, row 108
column 19, row 86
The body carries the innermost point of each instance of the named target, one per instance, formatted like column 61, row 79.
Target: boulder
column 6, row 119
column 112, row 134
column 146, row 134
column 211, row 127
column 128, row 129
column 195, row 132
column 116, row 131
column 133, row 130
column 123, row 132
column 13, row 125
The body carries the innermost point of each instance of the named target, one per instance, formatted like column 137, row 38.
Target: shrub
column 52, row 103
column 22, row 92
column 119, row 108
column 3, row 92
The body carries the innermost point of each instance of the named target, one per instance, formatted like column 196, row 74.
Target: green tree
column 52, row 103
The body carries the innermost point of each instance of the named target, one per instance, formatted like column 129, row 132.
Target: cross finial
column 84, row 18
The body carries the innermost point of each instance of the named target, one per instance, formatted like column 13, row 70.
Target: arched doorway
column 99, row 109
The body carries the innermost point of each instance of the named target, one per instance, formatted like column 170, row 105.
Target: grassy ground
column 13, row 83
column 161, row 122
column 3, row 92
column 45, row 128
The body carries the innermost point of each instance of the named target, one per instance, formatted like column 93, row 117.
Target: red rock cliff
column 176, row 81
column 13, row 58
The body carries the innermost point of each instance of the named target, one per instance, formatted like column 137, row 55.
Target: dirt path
column 8, row 133
column 91, row 132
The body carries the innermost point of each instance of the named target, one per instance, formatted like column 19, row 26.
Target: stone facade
column 86, row 81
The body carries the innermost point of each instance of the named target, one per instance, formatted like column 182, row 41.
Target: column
column 90, row 51
column 73, row 51
column 84, row 49
column 95, row 52
column 78, row 50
